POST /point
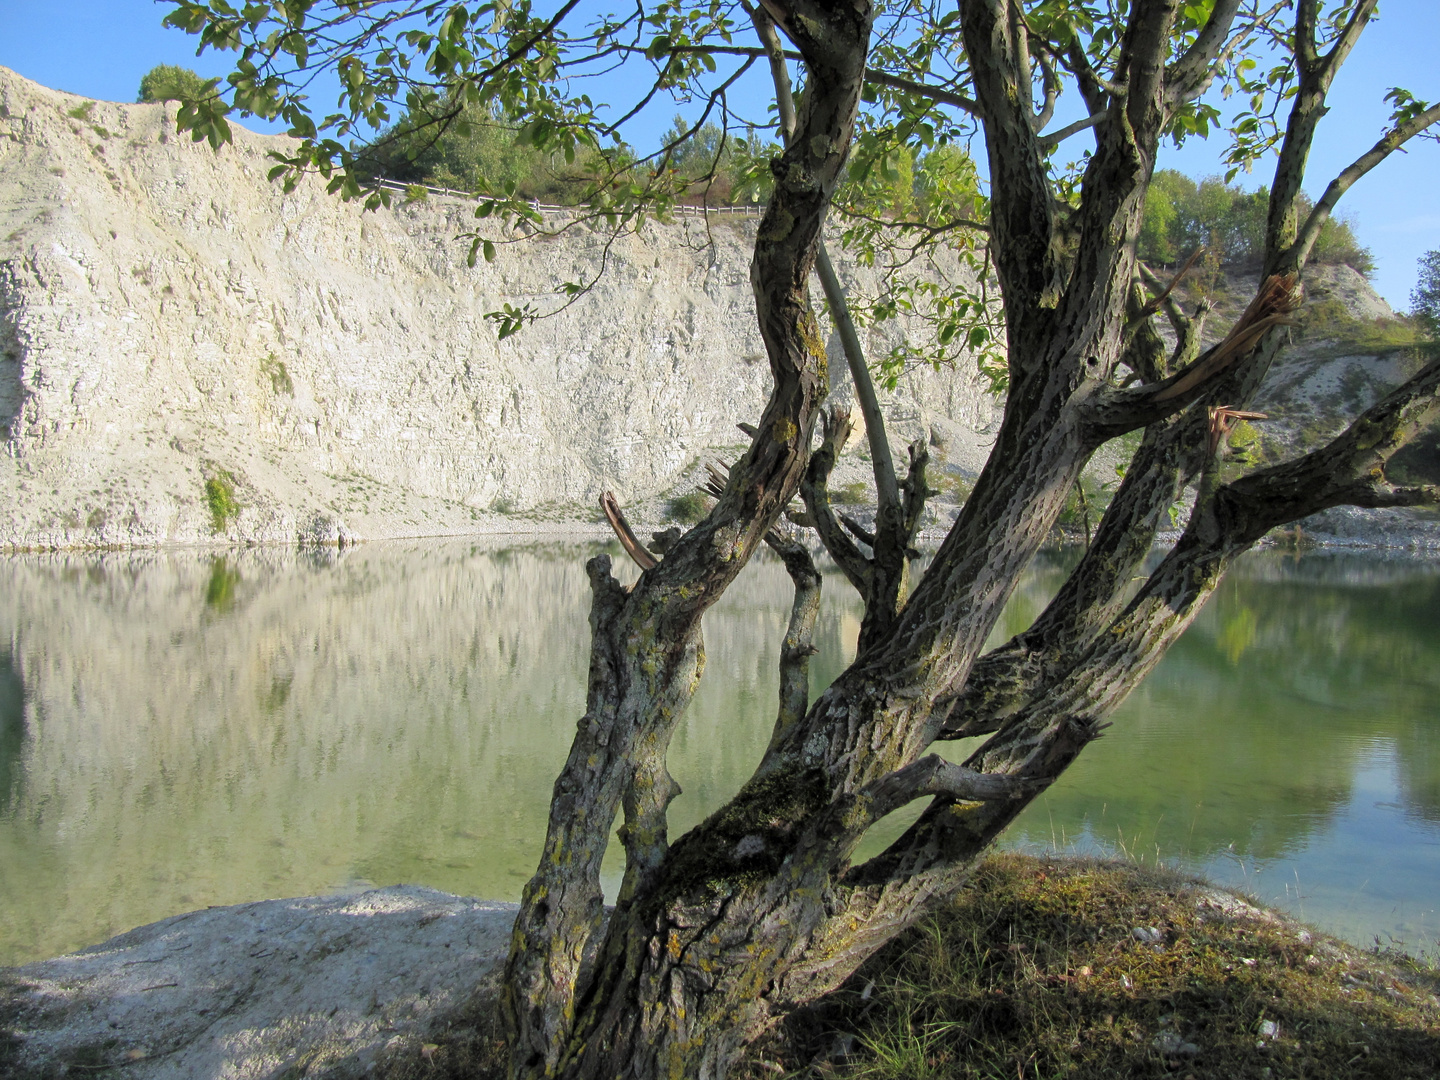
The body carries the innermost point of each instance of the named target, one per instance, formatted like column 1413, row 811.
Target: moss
column 814, row 343
column 1036, row 970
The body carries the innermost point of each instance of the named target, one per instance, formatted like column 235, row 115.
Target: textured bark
column 647, row 653
column 759, row 908
column 883, row 578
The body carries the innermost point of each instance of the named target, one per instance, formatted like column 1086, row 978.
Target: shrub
column 166, row 82
column 687, row 508
column 220, row 498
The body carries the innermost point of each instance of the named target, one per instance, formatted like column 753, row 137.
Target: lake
column 181, row 728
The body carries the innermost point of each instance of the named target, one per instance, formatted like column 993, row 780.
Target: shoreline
column 1340, row 529
column 401, row 982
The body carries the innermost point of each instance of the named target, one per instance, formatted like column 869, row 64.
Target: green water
column 179, row 729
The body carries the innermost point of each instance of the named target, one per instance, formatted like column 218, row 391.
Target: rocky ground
column 317, row 986
column 1060, row 966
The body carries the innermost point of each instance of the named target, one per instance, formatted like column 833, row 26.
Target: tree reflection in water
column 398, row 712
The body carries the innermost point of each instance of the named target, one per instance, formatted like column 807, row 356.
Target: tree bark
column 759, row 908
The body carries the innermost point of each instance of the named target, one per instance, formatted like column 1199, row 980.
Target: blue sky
column 103, row 47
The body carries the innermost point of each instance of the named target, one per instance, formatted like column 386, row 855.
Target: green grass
column 1330, row 320
column 855, row 494
column 273, row 368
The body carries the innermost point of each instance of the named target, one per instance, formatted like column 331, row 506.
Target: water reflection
column 1291, row 732
column 12, row 727
column 179, row 729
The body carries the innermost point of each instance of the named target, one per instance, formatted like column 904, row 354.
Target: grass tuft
column 1082, row 969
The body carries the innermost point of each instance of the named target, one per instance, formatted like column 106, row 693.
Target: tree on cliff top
column 168, row 82
column 717, row 933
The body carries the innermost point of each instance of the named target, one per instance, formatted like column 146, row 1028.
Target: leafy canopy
column 1182, row 215
column 168, row 82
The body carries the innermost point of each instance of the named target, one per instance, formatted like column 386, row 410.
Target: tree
column 167, row 82
column 1181, row 215
column 719, row 932
column 1425, row 297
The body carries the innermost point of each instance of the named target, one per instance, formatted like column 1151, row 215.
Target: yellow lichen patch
column 784, row 429
column 672, row 945
column 810, row 335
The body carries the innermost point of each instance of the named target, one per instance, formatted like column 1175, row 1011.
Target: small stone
column 1171, row 1044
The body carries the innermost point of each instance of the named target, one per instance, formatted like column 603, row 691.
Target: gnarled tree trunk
column 760, row 908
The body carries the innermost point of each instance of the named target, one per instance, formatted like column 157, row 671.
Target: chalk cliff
column 180, row 337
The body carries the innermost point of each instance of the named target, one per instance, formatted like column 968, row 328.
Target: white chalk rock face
column 312, row 986
column 188, row 354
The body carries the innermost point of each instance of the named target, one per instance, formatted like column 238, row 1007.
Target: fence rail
column 749, row 210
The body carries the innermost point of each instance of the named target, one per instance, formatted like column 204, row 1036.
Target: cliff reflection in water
column 182, row 728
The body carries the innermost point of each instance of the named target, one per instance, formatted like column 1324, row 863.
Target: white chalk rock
column 311, row 986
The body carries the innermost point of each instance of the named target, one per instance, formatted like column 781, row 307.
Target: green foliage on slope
column 1182, row 214
column 167, row 82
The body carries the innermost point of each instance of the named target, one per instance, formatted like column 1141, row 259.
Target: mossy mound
column 1080, row 969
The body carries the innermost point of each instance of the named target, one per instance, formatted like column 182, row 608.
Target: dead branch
column 625, row 534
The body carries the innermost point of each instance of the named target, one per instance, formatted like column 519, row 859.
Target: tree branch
column 837, row 431
column 882, row 463
column 798, row 646
column 1022, row 204
column 1115, row 412
column 1055, row 138
column 933, row 775
column 1391, row 141
column 939, row 94
column 636, row 550
column 1187, row 76
column 1316, row 74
